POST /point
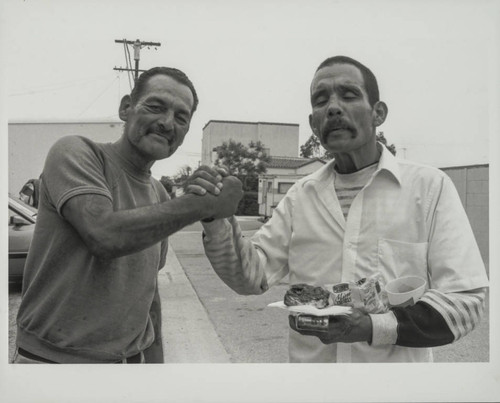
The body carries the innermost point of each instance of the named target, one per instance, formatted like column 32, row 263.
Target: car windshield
column 21, row 207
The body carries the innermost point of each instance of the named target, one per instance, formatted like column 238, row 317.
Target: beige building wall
column 280, row 171
column 472, row 183
column 282, row 139
column 29, row 144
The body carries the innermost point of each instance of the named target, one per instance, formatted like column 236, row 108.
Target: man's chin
column 154, row 154
column 334, row 145
column 166, row 154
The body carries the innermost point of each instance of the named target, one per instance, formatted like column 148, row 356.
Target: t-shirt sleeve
column 74, row 167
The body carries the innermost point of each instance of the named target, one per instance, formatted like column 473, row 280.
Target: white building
column 29, row 143
column 282, row 173
column 280, row 139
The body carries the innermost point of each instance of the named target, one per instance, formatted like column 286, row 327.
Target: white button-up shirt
column 408, row 219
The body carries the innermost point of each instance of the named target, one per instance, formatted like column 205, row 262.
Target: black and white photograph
column 267, row 201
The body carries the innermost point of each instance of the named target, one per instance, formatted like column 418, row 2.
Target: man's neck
column 125, row 149
column 346, row 163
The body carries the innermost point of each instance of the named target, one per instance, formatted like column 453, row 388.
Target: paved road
column 205, row 321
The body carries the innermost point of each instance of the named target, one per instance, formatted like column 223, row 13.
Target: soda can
column 309, row 322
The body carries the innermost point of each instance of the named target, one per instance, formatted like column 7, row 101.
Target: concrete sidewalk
column 188, row 334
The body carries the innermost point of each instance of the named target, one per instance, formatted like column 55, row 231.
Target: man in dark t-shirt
column 90, row 291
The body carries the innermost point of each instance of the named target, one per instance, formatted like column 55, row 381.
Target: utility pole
column 137, row 45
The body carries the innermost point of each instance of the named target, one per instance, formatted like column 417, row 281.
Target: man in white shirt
column 363, row 213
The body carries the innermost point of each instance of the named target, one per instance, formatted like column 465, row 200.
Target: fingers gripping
column 203, row 180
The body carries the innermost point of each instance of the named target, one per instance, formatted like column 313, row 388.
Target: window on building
column 283, row 187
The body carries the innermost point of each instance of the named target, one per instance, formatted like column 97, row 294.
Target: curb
column 187, row 332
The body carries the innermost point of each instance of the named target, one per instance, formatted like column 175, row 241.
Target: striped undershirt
column 347, row 186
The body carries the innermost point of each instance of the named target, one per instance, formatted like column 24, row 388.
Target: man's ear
column 311, row 125
column 125, row 105
column 380, row 111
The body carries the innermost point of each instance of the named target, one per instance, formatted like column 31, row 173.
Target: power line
column 137, row 46
column 98, row 96
column 128, row 63
column 56, row 87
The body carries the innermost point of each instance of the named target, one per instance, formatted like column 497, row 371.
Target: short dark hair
column 176, row 74
column 371, row 85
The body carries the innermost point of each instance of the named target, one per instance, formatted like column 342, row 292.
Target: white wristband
column 384, row 328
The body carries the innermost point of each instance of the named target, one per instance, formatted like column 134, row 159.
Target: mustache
column 160, row 130
column 336, row 124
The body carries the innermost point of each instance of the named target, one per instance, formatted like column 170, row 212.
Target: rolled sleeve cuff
column 215, row 230
column 384, row 329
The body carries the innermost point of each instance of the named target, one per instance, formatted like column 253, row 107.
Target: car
column 22, row 219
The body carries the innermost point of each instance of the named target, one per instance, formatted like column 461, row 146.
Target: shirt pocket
column 397, row 258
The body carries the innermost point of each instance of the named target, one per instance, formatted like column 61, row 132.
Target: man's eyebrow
column 345, row 85
column 154, row 98
column 349, row 86
column 318, row 90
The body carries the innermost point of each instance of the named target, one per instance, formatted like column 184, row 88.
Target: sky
column 253, row 61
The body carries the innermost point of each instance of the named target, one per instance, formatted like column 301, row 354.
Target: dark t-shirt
column 76, row 307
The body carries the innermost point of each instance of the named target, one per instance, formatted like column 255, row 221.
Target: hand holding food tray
column 312, row 306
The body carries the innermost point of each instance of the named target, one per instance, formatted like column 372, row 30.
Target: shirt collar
column 387, row 162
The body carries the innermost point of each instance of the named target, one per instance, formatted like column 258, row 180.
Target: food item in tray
column 365, row 294
column 305, row 294
column 372, row 295
column 342, row 294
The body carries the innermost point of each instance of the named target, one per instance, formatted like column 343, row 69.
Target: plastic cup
column 405, row 291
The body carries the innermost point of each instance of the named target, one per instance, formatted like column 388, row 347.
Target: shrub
column 248, row 205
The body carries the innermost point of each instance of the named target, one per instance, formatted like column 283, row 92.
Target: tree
column 182, row 174
column 383, row 140
column 168, row 183
column 244, row 162
column 312, row 147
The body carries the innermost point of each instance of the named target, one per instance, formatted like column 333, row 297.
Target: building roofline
column 285, row 157
column 280, row 175
column 248, row 123
column 62, row 122
column 467, row 166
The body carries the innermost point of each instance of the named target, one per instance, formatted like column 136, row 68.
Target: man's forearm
column 437, row 319
column 234, row 258
column 110, row 234
column 128, row 231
